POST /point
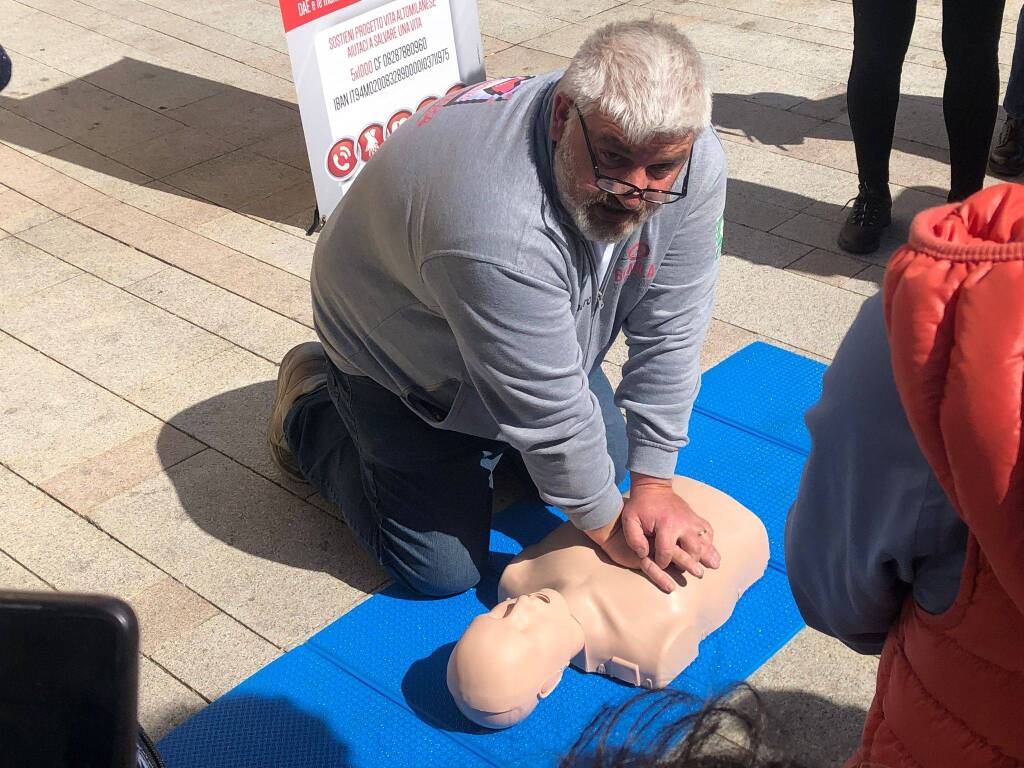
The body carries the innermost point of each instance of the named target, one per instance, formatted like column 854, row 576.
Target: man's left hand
column 663, row 530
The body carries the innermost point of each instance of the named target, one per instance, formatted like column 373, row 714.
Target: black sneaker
column 863, row 229
column 1007, row 158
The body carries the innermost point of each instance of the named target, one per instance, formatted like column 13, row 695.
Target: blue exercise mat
column 369, row 690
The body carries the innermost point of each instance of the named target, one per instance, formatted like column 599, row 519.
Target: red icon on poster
column 370, row 140
column 455, row 88
column 341, row 160
column 397, row 119
column 426, row 102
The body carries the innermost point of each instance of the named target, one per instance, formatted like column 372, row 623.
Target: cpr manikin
column 563, row 601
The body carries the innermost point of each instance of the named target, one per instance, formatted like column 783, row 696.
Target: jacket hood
column 954, row 309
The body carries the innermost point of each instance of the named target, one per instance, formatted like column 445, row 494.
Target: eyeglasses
column 621, row 188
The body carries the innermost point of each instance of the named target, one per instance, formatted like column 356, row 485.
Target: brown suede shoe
column 303, row 371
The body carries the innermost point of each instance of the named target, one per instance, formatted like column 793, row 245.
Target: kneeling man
column 467, row 288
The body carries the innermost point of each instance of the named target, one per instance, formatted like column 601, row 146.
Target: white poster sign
column 362, row 68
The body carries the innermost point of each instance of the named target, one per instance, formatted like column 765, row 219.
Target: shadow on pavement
column 792, row 219
column 182, row 134
column 191, row 137
column 784, row 121
column 220, row 493
column 780, row 120
column 812, row 729
column 271, row 523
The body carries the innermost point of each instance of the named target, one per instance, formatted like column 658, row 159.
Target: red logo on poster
column 341, row 160
column 370, row 140
column 397, row 119
column 454, row 88
column 426, row 102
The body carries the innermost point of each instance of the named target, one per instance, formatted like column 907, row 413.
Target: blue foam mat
column 369, row 689
column 764, row 390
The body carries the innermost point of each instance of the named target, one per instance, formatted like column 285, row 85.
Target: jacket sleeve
column 665, row 331
column 517, row 336
column 869, row 511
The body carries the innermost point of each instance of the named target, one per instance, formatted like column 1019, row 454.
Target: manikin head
column 512, row 657
column 638, row 91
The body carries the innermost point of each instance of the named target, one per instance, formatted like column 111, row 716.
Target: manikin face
column 527, row 614
column 511, row 657
column 597, row 214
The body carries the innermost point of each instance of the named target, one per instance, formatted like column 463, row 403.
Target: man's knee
column 439, row 568
column 439, row 581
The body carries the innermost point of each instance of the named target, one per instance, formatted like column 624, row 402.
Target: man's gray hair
column 646, row 76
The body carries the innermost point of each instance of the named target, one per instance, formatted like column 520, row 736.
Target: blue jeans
column 1013, row 101
column 417, row 498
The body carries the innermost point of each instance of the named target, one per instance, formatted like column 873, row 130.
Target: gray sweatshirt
column 870, row 524
column 451, row 275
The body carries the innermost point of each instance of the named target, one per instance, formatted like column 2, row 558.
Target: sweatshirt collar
column 544, row 153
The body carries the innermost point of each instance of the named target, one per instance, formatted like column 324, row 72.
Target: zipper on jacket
column 596, row 292
column 595, row 289
column 607, row 276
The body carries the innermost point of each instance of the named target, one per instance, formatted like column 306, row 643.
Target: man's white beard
column 581, row 205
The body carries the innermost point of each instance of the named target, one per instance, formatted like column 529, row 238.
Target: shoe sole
column 999, row 170
column 276, row 442
column 863, row 251
column 851, row 248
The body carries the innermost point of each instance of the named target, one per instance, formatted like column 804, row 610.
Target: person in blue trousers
column 1007, row 157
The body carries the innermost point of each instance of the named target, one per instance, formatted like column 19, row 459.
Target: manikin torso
column 563, row 601
column 632, row 630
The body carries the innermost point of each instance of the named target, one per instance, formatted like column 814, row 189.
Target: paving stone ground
column 154, row 192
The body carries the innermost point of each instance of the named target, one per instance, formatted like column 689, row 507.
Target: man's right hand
column 611, row 539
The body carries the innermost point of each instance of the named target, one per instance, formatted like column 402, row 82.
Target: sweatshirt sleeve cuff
column 652, row 460
column 607, row 508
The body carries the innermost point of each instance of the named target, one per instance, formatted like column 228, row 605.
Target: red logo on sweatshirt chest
column 636, row 262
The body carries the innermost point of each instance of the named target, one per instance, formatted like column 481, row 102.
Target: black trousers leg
column 970, row 43
column 881, row 35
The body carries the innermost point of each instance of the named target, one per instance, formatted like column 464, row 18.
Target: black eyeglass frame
column 633, row 189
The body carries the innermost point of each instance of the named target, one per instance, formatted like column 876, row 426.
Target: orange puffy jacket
column 950, row 688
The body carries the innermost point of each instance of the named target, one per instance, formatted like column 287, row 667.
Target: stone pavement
column 154, row 190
